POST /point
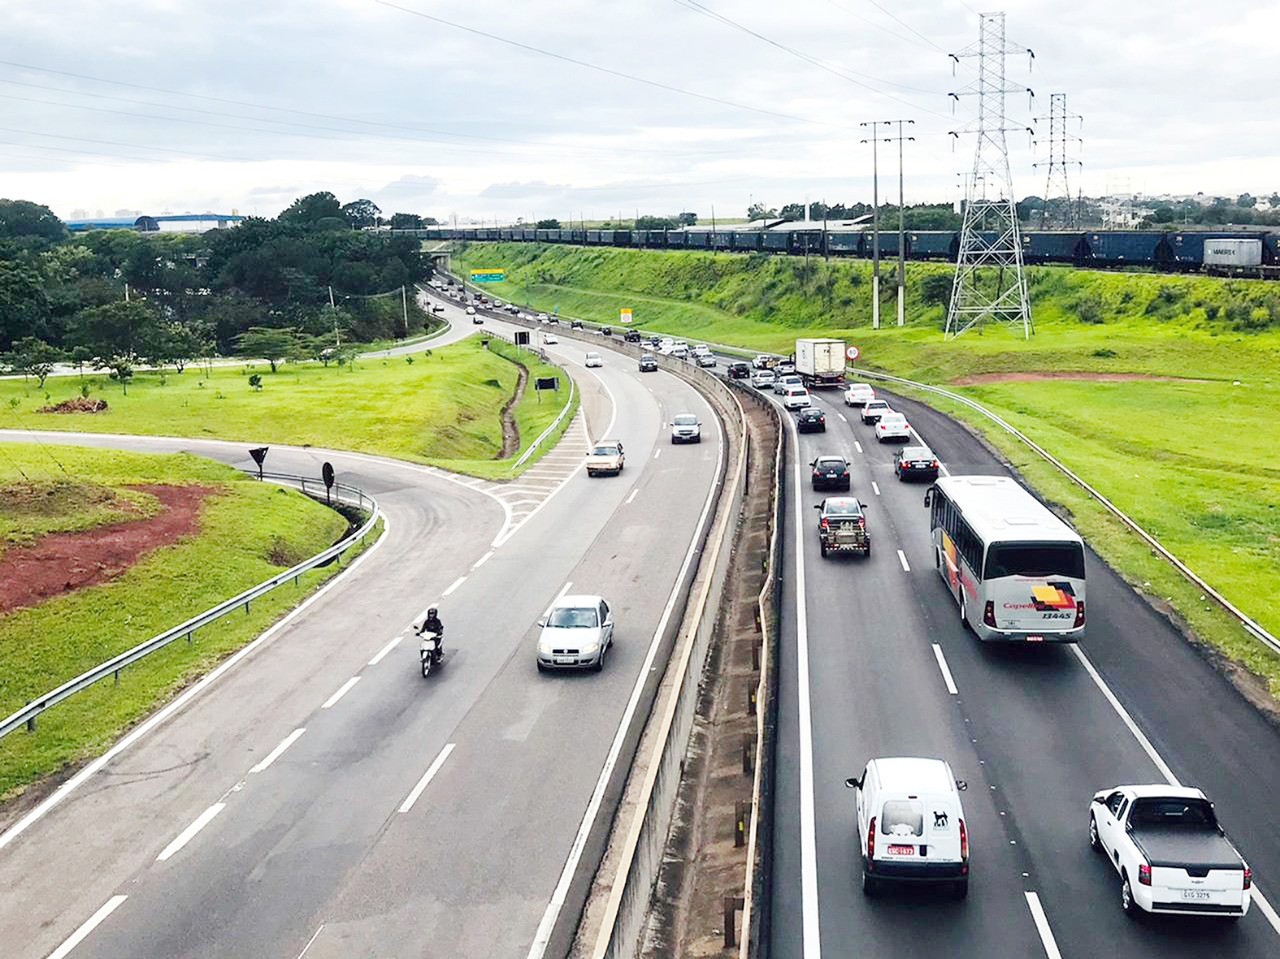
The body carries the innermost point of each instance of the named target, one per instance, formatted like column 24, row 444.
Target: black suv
column 632, row 336
column 648, row 363
column 811, row 420
column 739, row 371
column 830, row 472
column 575, row 325
column 913, row 461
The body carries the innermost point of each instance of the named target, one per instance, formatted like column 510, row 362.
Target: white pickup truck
column 1169, row 851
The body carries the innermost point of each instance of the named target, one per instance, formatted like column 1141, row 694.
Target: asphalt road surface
column 1034, row 731
column 319, row 795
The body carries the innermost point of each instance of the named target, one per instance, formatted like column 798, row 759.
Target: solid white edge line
column 454, row 585
column 946, row 670
column 842, row 417
column 314, row 936
column 342, row 691
column 875, row 487
column 482, row 560
column 79, row 778
column 857, row 446
column 810, row 926
column 189, row 833
column 427, row 777
column 540, row 940
column 902, row 558
column 90, row 924
column 275, row 754
column 633, row 495
column 386, row 649
column 1042, row 926
column 1123, row 713
column 1267, row 912
column 563, row 589
column 657, row 452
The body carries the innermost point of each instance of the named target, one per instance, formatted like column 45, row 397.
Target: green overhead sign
column 488, row 276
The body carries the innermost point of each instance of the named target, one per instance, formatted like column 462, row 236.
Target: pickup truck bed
column 1185, row 848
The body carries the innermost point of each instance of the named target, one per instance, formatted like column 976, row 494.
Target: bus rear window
column 1035, row 559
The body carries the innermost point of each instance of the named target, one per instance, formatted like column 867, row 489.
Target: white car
column 543, row 318
column 471, row 311
column 762, row 361
column 437, row 308
column 576, row 634
column 685, row 428
column 858, row 394
column 549, row 338
column 701, row 349
column 1169, row 852
column 704, row 359
column 874, row 409
column 763, row 379
column 893, row 426
column 594, row 359
column 783, row 383
column 666, row 345
column 606, row 457
column 796, row 398
column 680, row 352
column 911, row 825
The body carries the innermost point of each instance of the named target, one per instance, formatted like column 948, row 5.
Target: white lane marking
column 272, row 756
column 386, row 649
column 541, row 938
column 946, row 670
column 810, row 933
column 482, row 560
column 79, row 778
column 563, row 589
column 342, row 691
column 427, row 777
column 90, row 924
column 633, row 494
column 314, row 937
column 1123, row 713
column 1042, row 926
column 1268, row 913
column 902, row 558
column 454, row 585
column 842, row 418
column 189, row 833
column 857, row 446
column 875, row 486
column 657, row 452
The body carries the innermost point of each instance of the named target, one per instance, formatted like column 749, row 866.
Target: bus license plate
column 902, row 850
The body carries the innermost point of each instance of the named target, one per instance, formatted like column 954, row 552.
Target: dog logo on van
column 940, row 820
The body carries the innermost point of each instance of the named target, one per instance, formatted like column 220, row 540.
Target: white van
column 910, row 824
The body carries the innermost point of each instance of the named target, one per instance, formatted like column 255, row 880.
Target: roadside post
column 327, row 472
column 259, row 455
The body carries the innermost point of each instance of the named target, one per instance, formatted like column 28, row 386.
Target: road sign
column 624, row 315
column 522, row 337
column 259, row 455
column 547, row 383
column 327, row 472
column 853, row 353
column 488, row 276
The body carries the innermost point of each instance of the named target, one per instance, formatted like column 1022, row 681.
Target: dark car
column 739, row 371
column 915, row 461
column 842, row 526
column 477, row 319
column 606, row 330
column 632, row 336
column 575, row 325
column 648, row 363
column 830, row 472
column 811, row 420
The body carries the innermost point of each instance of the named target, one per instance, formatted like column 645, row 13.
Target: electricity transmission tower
column 1060, row 159
column 989, row 284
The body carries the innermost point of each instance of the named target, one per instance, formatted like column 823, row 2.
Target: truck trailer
column 820, row 362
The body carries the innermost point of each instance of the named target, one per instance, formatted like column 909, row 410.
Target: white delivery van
column 911, row 826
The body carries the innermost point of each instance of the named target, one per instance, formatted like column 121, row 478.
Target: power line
column 607, row 70
column 871, row 23
column 893, row 16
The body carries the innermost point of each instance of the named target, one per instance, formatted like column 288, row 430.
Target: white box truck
column 820, row 362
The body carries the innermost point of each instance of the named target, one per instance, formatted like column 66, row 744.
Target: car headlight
column 590, row 647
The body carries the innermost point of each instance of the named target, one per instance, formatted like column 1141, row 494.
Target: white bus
column 1014, row 568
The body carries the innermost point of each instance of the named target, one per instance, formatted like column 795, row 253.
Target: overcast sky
column 176, row 106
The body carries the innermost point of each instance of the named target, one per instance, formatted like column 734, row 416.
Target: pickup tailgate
column 1192, row 870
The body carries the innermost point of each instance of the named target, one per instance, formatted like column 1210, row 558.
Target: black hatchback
column 739, row 371
column 830, row 472
column 916, row 461
column 811, row 420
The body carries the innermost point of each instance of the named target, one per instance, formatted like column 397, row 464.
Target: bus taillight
column 1079, row 613
column 989, row 614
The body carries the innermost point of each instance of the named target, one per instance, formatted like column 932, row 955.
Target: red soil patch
column 64, row 562
column 977, row 379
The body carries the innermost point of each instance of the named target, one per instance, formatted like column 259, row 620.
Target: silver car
column 576, row 634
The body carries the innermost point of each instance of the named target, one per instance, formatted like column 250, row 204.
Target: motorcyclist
column 432, row 625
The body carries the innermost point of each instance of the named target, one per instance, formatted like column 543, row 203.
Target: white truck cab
column 911, row 825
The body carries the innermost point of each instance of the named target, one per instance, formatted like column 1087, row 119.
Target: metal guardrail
column 1253, row 628
column 26, row 716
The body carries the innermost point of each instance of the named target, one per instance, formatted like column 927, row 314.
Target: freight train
column 1233, row 253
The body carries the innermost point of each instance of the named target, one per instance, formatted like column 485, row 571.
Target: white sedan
column 796, row 398
column 859, row 394
column 594, row 359
column 763, row 379
column 893, row 426
column 471, row 311
column 549, row 338
column 576, row 633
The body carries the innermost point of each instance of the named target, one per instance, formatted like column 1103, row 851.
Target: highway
column 316, row 795
column 1035, row 731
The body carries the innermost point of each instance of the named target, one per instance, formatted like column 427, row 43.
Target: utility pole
column 1059, row 160
column 902, row 230
column 337, row 336
column 990, row 244
column 404, row 302
column 875, row 221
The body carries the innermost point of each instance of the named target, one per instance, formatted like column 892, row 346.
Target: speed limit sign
column 853, row 353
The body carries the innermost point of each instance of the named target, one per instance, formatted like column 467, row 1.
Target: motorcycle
column 431, row 652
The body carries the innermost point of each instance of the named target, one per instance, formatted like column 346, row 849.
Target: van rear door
column 942, row 829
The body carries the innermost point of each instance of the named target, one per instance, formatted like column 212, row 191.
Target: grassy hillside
column 248, row 532
column 1191, row 456
column 442, row 406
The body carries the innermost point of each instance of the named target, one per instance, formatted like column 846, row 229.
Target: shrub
column 255, row 382
column 1089, row 309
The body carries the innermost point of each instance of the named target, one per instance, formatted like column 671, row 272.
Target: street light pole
column 902, row 232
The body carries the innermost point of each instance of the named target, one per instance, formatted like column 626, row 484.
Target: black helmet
column 431, row 613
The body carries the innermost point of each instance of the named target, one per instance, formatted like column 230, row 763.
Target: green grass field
column 1193, row 462
column 248, row 532
column 441, row 407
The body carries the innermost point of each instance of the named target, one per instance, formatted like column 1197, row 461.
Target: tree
column 27, row 225
column 687, row 219
column 308, row 210
column 655, row 223
column 119, row 334
column 792, row 211
column 1164, row 214
column 406, row 221
column 361, row 213
column 270, row 345
column 332, row 223
column 758, row 211
column 177, row 344
column 24, row 304
column 935, row 289
column 1246, row 200
column 551, row 224
column 33, row 357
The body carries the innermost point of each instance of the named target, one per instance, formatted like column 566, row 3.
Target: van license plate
column 1196, row 895
column 902, row 850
